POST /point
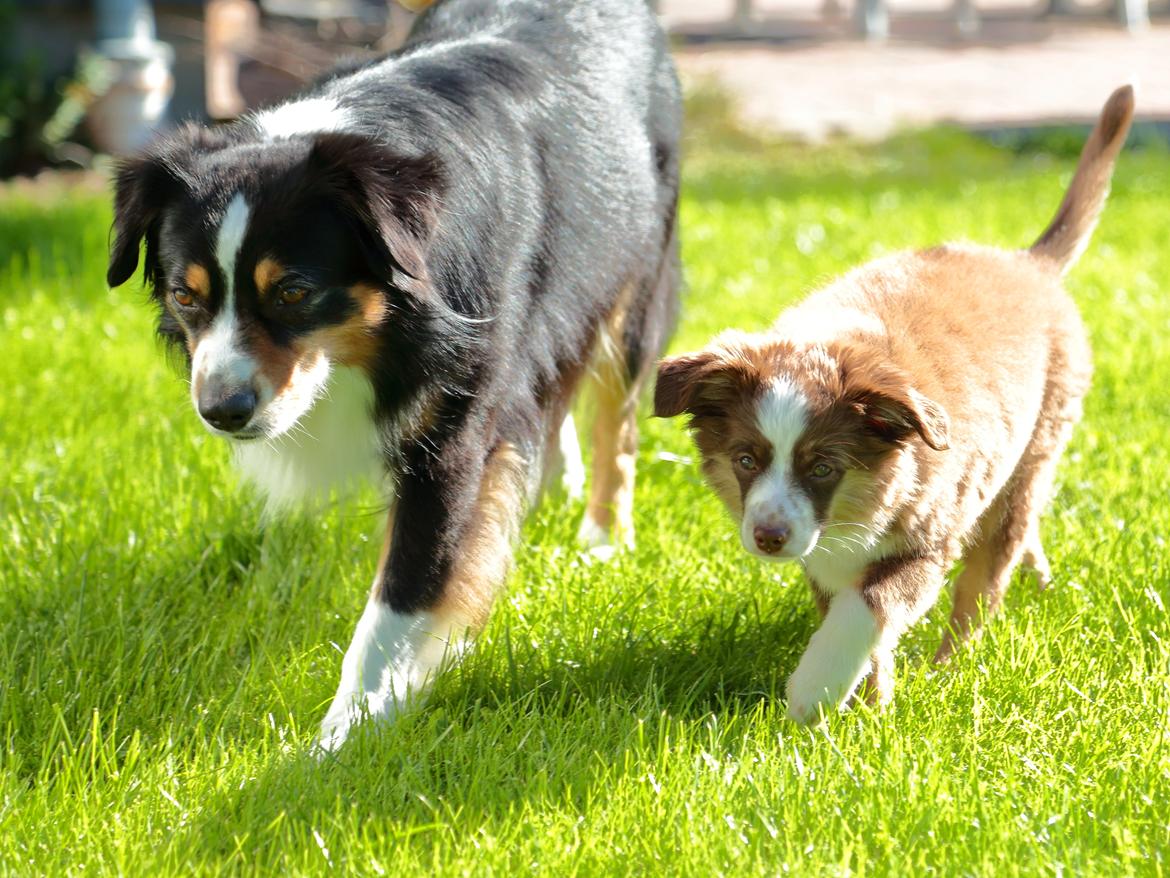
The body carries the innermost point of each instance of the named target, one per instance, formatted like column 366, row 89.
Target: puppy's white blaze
column 774, row 498
column 329, row 439
column 837, row 658
column 393, row 658
column 310, row 116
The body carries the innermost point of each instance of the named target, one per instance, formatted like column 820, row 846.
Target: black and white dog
column 407, row 272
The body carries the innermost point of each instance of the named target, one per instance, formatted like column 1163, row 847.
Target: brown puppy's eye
column 822, row 471
column 184, row 298
column 747, row 463
column 292, row 295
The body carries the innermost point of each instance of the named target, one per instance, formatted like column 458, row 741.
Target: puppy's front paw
column 808, row 700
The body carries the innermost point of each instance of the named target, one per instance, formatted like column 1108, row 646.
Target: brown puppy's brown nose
column 771, row 539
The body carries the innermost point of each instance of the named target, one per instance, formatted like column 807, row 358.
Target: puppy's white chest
column 839, row 562
column 335, row 446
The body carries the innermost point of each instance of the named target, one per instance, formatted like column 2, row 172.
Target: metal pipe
column 139, row 74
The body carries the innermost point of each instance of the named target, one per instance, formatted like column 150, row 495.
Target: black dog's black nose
column 229, row 413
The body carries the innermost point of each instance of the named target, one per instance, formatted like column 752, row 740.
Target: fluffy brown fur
column 940, row 388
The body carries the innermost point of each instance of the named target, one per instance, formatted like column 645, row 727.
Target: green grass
column 165, row 655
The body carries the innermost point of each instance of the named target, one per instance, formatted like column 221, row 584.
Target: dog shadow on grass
column 517, row 724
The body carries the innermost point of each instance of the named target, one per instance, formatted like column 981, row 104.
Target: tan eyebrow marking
column 267, row 272
column 198, row 280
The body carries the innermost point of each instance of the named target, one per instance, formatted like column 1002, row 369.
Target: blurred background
column 82, row 78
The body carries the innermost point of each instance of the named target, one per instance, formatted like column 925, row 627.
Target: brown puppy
column 909, row 415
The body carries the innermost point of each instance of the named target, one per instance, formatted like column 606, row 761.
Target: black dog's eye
column 747, row 463
column 183, row 297
column 291, row 295
column 822, row 471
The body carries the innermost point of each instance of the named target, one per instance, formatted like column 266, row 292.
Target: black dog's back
column 557, row 125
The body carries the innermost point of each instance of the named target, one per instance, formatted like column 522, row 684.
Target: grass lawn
column 165, row 655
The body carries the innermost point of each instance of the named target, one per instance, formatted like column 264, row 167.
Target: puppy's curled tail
column 1068, row 234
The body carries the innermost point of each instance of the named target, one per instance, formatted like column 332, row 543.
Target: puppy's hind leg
column 1009, row 532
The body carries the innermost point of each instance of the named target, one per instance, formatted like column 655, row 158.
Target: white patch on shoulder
column 393, row 658
column 837, row 658
column 308, row 116
column 774, row 499
column 333, row 445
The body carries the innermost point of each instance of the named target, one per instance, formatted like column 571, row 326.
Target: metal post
column 743, row 14
column 872, row 19
column 123, row 118
column 966, row 18
column 1133, row 15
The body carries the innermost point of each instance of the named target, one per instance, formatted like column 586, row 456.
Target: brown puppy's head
column 796, row 439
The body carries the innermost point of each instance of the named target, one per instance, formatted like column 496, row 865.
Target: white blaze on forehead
column 230, row 239
column 309, row 116
column 774, row 498
column 217, row 356
column 783, row 415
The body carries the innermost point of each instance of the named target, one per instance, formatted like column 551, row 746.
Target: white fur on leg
column 836, row 660
column 573, row 472
column 393, row 657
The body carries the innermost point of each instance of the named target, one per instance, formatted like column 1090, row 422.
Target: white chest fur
column 334, row 446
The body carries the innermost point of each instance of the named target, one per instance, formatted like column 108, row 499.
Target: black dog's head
column 273, row 261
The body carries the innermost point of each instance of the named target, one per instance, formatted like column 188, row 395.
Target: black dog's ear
column 393, row 199
column 143, row 186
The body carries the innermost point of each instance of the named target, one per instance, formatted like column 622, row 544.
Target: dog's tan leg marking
column 609, row 513
column 485, row 554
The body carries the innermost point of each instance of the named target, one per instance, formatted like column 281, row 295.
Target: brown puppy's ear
column 678, row 382
column 393, row 200
column 896, row 414
column 705, row 384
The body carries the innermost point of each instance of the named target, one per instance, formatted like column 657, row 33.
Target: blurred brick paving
column 803, row 77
